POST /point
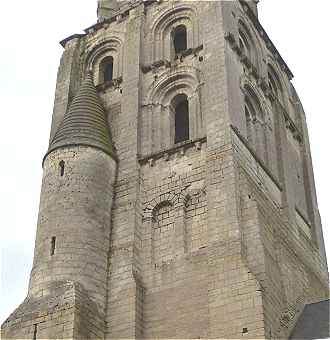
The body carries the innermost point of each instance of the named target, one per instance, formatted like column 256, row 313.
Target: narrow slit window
column 35, row 331
column 53, row 246
column 62, row 168
column 181, row 120
column 180, row 39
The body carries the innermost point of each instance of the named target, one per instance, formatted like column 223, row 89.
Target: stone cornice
column 73, row 36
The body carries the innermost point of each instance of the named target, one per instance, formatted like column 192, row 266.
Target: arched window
column 106, row 69
column 181, row 118
column 179, row 39
column 275, row 85
column 255, row 126
column 247, row 44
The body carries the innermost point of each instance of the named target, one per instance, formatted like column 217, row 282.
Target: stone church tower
column 178, row 198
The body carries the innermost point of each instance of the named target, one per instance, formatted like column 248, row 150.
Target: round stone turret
column 72, row 240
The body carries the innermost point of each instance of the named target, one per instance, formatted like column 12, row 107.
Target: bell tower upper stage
column 187, row 205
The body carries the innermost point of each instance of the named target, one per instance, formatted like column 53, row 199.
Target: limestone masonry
column 178, row 198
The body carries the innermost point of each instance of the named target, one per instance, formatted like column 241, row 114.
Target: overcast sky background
column 29, row 59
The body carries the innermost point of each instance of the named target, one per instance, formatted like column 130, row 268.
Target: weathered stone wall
column 287, row 264
column 75, row 208
column 71, row 249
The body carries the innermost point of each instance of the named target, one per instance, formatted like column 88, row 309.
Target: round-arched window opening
column 181, row 118
column 180, row 39
column 106, row 69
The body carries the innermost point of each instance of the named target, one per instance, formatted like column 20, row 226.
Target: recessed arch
column 275, row 84
column 253, row 103
column 256, row 128
column 105, row 50
column 161, row 32
column 249, row 43
column 158, row 114
column 184, row 79
column 163, row 205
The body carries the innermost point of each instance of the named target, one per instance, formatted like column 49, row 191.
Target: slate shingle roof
column 314, row 322
column 85, row 122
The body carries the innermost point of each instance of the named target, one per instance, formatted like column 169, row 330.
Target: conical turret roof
column 85, row 122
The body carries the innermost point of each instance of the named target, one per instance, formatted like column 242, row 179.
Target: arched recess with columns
column 276, row 85
column 249, row 44
column 97, row 59
column 260, row 125
column 160, row 106
column 175, row 225
column 181, row 17
column 255, row 123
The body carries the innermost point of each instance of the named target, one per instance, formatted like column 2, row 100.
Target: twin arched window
column 180, row 107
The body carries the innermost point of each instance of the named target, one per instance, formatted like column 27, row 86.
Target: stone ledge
column 165, row 153
column 114, row 83
column 166, row 63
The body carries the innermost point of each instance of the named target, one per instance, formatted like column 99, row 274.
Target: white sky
column 29, row 58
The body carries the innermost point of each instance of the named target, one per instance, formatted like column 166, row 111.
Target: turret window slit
column 53, row 246
column 62, row 166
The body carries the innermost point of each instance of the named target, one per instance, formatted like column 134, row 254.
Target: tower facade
column 178, row 198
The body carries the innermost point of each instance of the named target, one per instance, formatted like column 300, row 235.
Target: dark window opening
column 106, row 69
column 35, row 330
column 180, row 39
column 181, row 119
column 52, row 246
column 62, row 166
